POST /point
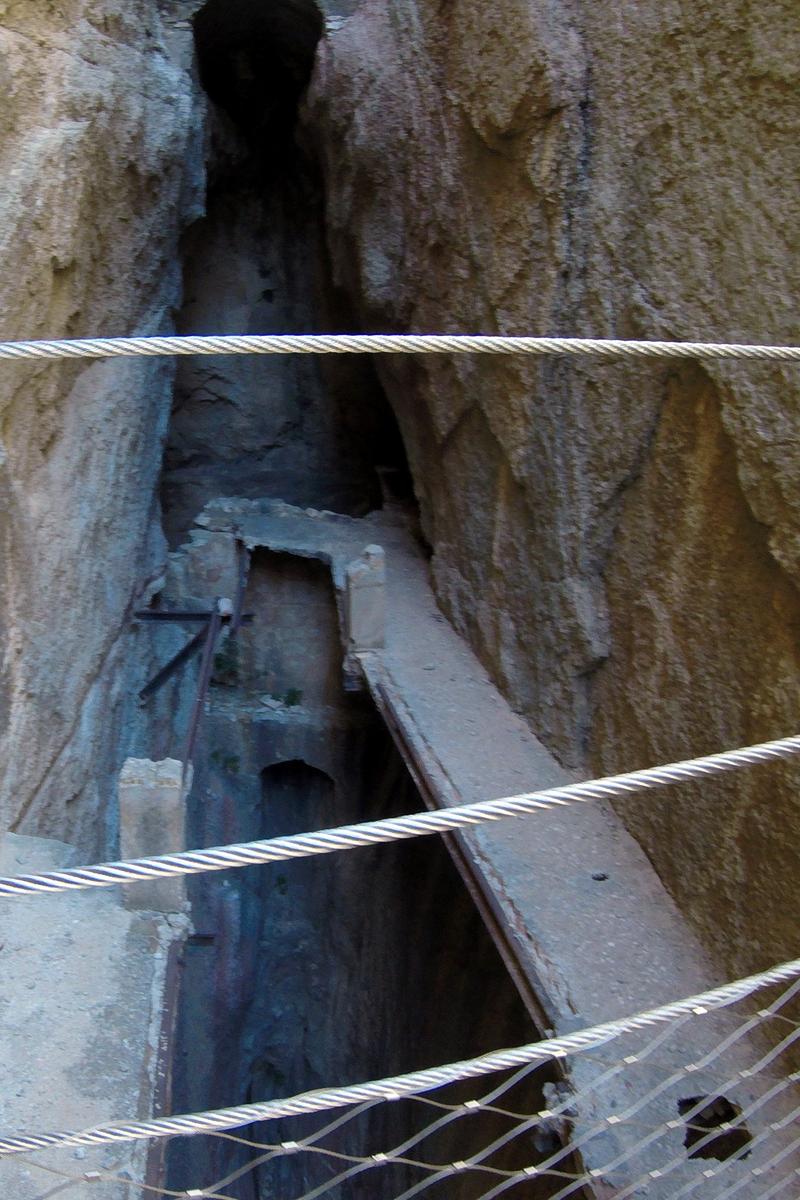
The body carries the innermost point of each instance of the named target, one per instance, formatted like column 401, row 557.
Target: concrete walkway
column 592, row 950
column 85, row 1018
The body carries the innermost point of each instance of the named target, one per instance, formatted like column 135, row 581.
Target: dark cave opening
column 255, row 59
column 316, row 432
column 714, row 1128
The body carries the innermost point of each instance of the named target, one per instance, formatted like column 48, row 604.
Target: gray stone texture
column 366, row 600
column 283, row 426
column 86, row 1024
column 583, row 924
column 329, row 968
column 152, row 820
column 619, row 543
column 101, row 159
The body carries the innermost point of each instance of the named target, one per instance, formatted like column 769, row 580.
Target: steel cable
column 394, row 829
column 382, row 343
column 397, row 1086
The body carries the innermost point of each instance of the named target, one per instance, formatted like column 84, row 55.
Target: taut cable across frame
column 383, row 343
column 398, row 1086
column 395, row 829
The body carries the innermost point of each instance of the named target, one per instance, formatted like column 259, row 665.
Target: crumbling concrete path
column 590, row 949
column 85, row 1004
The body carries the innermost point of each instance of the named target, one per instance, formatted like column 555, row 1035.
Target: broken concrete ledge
column 152, row 820
column 87, row 1008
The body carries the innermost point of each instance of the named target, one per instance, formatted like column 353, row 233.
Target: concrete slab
column 85, row 1026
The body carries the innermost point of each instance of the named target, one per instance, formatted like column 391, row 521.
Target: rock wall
column 102, row 165
column 619, row 543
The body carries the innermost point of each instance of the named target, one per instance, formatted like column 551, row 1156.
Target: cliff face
column 101, row 167
column 620, row 543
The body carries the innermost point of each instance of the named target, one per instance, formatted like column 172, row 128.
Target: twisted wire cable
column 778, row 1087
column 547, row 1167
column 781, row 1086
column 393, row 829
column 655, row 1132
column 398, row 1086
column 397, row 1153
column 781, row 1184
column 743, row 1152
column 523, row 1121
column 274, row 1150
column 381, row 343
column 758, row 1171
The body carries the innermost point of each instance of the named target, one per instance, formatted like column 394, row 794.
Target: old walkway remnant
column 88, row 995
column 577, row 912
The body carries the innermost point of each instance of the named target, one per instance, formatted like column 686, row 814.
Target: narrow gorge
column 618, row 544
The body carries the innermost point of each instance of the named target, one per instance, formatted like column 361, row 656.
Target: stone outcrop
column 102, row 165
column 620, row 543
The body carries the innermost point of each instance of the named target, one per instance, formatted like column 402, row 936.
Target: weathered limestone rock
column 254, row 426
column 621, row 544
column 101, row 163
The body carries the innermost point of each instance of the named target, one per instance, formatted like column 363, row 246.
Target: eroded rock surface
column 101, row 166
column 620, row 543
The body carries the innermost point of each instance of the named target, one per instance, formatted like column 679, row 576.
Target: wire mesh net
column 705, row 1106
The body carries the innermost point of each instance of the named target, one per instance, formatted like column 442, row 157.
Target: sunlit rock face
column 101, row 166
column 619, row 542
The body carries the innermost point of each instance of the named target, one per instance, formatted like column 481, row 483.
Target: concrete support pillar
column 152, row 820
column 365, row 601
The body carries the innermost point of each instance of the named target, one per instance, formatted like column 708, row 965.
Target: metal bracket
column 224, row 612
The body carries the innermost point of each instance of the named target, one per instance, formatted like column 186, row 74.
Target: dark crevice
column 255, row 60
column 313, row 432
column 335, row 969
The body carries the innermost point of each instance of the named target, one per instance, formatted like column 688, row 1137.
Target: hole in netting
column 704, row 1114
